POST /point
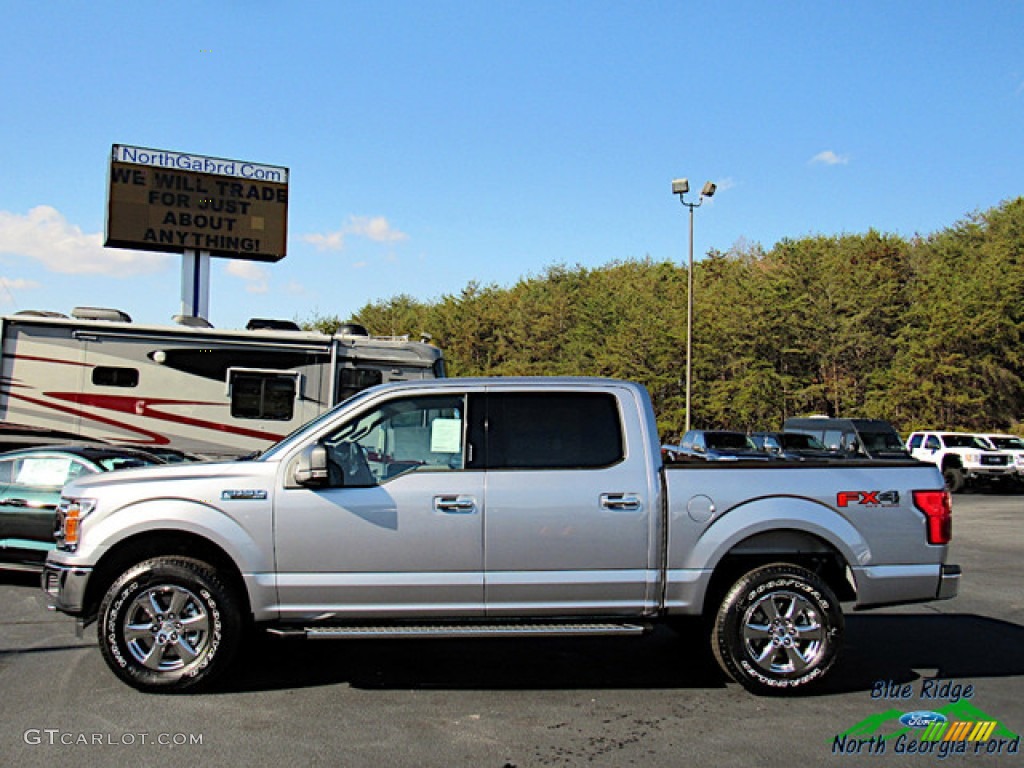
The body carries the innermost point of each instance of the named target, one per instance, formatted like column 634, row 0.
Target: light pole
column 681, row 187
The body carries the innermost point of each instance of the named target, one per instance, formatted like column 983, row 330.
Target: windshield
column 728, row 441
column 800, row 442
column 1013, row 443
column 110, row 463
column 882, row 441
column 964, row 441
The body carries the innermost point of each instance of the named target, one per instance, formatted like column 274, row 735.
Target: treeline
column 923, row 332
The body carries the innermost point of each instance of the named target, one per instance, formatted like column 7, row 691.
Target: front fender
column 246, row 537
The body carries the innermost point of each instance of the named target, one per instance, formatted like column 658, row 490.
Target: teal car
column 31, row 480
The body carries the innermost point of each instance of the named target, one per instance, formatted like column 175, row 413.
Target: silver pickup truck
column 493, row 507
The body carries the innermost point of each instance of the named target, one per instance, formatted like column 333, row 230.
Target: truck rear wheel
column 168, row 624
column 777, row 630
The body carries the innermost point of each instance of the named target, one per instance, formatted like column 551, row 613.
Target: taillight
column 938, row 511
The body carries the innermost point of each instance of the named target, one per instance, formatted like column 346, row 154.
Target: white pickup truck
column 493, row 507
column 964, row 458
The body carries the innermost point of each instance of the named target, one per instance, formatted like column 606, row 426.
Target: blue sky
column 431, row 144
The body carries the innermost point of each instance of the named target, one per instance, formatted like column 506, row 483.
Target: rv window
column 262, row 396
column 115, row 377
column 354, row 380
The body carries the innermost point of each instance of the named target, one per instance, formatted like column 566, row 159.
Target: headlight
column 972, row 458
column 70, row 513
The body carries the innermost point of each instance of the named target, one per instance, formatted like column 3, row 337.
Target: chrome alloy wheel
column 783, row 633
column 166, row 627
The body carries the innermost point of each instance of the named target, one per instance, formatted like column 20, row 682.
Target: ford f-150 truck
column 493, row 507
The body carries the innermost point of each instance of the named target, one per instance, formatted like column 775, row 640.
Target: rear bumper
column 899, row 584
column 949, row 582
column 64, row 587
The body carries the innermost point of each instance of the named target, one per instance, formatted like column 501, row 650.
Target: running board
column 413, row 631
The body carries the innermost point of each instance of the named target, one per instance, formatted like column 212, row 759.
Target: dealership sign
column 181, row 203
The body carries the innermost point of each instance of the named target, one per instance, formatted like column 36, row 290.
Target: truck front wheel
column 778, row 630
column 168, row 624
column 954, row 479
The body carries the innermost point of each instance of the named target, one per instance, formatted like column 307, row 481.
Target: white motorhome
column 189, row 386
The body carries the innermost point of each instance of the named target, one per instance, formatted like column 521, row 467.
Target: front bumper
column 64, row 587
column 1007, row 471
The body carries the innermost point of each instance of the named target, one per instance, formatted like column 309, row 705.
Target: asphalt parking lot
column 654, row 701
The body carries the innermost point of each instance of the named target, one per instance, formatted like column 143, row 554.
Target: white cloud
column 828, row 157
column 376, row 228
column 256, row 277
column 45, row 235
column 332, row 241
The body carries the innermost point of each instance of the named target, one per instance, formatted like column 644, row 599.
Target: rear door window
column 551, row 430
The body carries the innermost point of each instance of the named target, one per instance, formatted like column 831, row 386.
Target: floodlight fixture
column 681, row 187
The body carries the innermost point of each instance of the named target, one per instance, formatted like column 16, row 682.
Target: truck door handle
column 455, row 505
column 621, row 502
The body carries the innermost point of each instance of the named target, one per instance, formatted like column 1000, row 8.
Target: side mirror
column 311, row 467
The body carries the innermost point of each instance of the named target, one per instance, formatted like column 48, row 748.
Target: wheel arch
column 951, row 461
column 160, row 543
column 775, row 529
column 788, row 546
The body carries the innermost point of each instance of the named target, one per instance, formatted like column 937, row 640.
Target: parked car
column 964, row 458
column 795, row 446
column 855, row 438
column 719, row 445
column 17, row 436
column 1012, row 445
column 31, row 480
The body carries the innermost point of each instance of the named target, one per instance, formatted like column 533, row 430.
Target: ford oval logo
column 922, row 718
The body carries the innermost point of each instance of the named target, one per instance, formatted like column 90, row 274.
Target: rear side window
column 558, row 430
column 262, row 396
column 103, row 376
column 353, row 380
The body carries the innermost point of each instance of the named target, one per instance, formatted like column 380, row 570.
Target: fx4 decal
column 868, row 498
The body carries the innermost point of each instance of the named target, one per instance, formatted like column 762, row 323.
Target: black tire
column 168, row 625
column 954, row 479
column 778, row 630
